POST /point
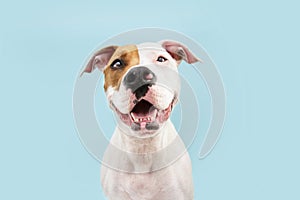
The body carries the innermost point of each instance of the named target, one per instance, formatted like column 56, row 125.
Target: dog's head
column 141, row 82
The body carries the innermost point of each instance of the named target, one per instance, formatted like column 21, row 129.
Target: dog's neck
column 146, row 145
column 142, row 145
column 143, row 154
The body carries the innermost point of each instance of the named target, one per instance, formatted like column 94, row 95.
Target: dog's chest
column 146, row 186
column 172, row 182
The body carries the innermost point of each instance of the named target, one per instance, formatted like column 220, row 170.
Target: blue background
column 255, row 45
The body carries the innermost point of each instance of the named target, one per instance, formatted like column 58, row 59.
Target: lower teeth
column 141, row 119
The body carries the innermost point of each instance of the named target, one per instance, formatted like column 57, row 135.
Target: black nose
column 138, row 80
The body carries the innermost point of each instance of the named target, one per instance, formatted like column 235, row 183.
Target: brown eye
column 117, row 64
column 161, row 59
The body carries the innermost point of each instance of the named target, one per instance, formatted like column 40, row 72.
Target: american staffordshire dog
column 142, row 86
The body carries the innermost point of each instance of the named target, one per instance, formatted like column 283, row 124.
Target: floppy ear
column 100, row 59
column 179, row 52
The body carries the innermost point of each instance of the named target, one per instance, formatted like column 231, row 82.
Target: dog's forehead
column 149, row 47
column 126, row 50
column 123, row 51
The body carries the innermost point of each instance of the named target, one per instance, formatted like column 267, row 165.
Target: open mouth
column 145, row 115
column 143, row 111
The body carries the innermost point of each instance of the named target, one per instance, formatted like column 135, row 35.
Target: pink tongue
column 143, row 125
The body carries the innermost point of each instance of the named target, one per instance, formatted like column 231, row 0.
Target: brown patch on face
column 129, row 55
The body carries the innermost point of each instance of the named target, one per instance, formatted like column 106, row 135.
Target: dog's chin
column 144, row 119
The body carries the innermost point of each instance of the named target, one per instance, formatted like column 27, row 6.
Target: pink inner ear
column 100, row 59
column 180, row 52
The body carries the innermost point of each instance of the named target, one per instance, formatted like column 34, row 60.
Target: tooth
column 134, row 119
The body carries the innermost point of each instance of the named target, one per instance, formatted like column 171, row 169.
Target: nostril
column 131, row 77
column 148, row 76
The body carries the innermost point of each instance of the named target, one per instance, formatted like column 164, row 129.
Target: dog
column 142, row 85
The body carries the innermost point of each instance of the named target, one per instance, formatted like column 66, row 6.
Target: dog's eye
column 117, row 64
column 161, row 59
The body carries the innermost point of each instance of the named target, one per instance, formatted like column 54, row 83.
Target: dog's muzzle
column 146, row 97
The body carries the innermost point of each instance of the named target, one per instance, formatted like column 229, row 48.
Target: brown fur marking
column 129, row 55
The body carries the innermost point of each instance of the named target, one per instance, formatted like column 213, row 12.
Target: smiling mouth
column 145, row 116
column 143, row 111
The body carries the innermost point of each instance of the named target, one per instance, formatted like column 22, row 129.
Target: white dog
column 142, row 86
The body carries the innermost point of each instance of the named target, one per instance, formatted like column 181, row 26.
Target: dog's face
column 141, row 82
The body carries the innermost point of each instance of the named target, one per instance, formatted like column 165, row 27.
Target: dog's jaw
column 145, row 117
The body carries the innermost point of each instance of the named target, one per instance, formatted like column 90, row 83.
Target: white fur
column 149, row 52
column 173, row 182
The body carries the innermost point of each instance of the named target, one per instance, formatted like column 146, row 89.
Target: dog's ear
column 100, row 59
column 179, row 52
